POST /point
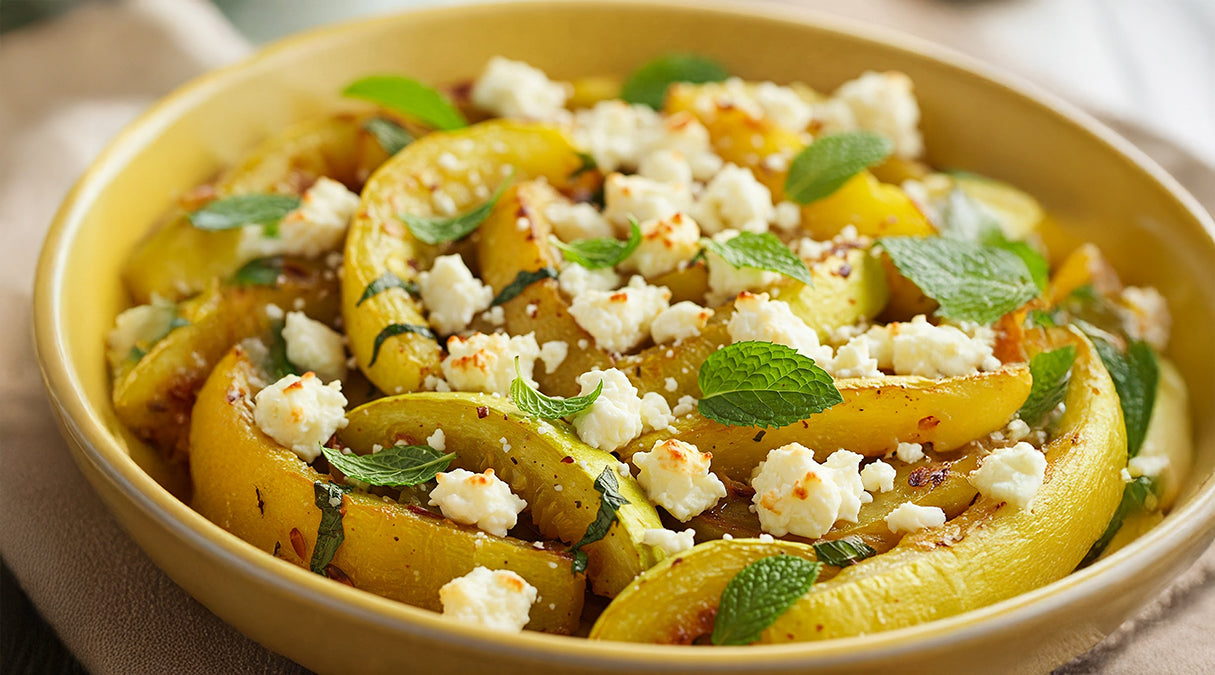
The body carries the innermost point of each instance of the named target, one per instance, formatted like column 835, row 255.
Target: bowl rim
column 98, row 449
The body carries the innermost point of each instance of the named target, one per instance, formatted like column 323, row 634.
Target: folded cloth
column 69, row 85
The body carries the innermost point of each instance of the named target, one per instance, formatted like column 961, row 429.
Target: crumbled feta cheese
column 909, row 452
column 437, row 440
column 139, row 327
column 684, row 134
column 316, row 226
column 734, row 199
column 497, row 599
column 684, row 405
column 795, row 494
column 486, row 363
column 1145, row 315
column 1010, row 475
column 666, row 166
column 920, row 348
column 642, row 198
column 274, row 312
column 1125, row 475
column 1147, row 465
column 480, row 499
column 452, row 294
column 911, row 517
column 787, row 216
column 853, row 360
column 495, row 316
column 434, row 383
column 846, row 465
column 655, row 411
column 784, row 106
column 575, row 280
column 672, row 543
column 1017, row 430
column 726, row 281
column 301, row 413
column 615, row 133
column 311, row 345
column 878, row 477
column 614, row 418
column 572, row 222
column 675, row 475
column 758, row 318
column 664, row 244
column 553, row 353
column 884, row 103
column 620, row 320
column 679, row 322
column 509, row 88
column 670, row 384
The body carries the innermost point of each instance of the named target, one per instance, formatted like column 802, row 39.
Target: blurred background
column 73, row 72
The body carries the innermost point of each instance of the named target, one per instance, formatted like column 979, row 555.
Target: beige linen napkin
column 65, row 88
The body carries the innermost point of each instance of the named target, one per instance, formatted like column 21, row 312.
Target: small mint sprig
column 391, row 136
column 397, row 466
column 648, row 84
column 825, row 165
column 520, row 283
column 844, row 551
column 410, row 98
column 762, row 252
column 533, row 402
column 1050, row 371
column 601, row 252
column 1136, row 375
column 966, row 219
column 240, row 210
column 438, row 229
column 609, row 504
column 761, row 384
column 758, row 595
column 329, row 533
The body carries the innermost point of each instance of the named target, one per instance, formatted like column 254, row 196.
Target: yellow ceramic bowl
column 1151, row 229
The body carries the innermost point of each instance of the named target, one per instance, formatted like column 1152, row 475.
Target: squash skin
column 263, row 493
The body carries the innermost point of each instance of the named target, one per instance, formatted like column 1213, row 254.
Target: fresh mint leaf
column 398, row 466
column 522, row 280
column 972, row 282
column 395, row 329
column 329, row 534
column 761, row 384
column 240, row 210
column 758, row 595
column 1050, row 375
column 762, row 252
column 609, row 504
column 410, row 98
column 384, row 282
column 648, row 84
column 437, row 230
column 1139, row 496
column 966, row 219
column 587, row 163
column 391, row 136
column 602, row 252
column 1136, row 375
column 825, row 165
column 259, row 272
column 277, row 364
column 844, row 551
column 533, row 402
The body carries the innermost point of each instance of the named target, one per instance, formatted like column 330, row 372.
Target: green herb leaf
column 395, row 329
column 967, row 219
column 255, row 209
column 588, row 163
column 390, row 135
column 1136, row 375
column 440, row 229
column 761, row 384
column 762, row 252
column 533, row 402
column 522, row 280
column 329, row 534
column 410, row 98
column 398, row 466
column 648, row 84
column 277, row 364
column 758, row 595
column 1050, row 375
column 830, row 161
column 972, row 282
column 1139, row 496
column 384, row 282
column 609, row 504
column 844, row 551
column 603, row 252
column 259, row 272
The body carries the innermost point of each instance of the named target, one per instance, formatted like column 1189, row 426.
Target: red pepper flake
column 482, row 412
column 567, row 460
column 929, row 422
column 297, row 543
column 334, row 572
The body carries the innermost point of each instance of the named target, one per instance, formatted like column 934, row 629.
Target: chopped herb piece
column 384, row 282
column 830, row 161
column 395, row 329
column 844, row 551
column 522, row 280
column 391, row 136
column 329, row 534
column 255, row 209
column 1136, row 375
column 761, row 384
column 609, row 504
column 440, row 229
column 410, row 98
column 758, row 595
column 1050, row 375
column 259, row 272
column 535, row 403
column 397, row 466
column 602, row 252
column 762, row 252
column 648, row 84
column 1139, row 496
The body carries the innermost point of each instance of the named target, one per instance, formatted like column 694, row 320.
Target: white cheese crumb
column 676, row 476
column 1125, row 475
column 909, row 452
column 787, row 216
column 317, row 226
column 758, row 318
column 574, row 280
column 301, row 413
column 1011, row 474
column 486, row 363
column 686, row 404
column 480, row 499
column 497, row 599
column 452, row 294
column 437, row 440
column 920, row 348
column 670, row 384
column 795, row 494
column 655, row 411
column 311, row 345
column 910, row 517
column 672, row 543
column 494, row 316
column 853, row 360
column 620, row 320
column 141, row 325
column 679, row 322
column 274, row 312
column 666, row 166
column 572, row 222
column 1017, row 430
column 553, row 353
column 878, row 477
column 642, row 198
column 614, row 418
column 514, row 89
column 1147, row 465
column 726, row 281
column 665, row 243
column 682, row 133
column 885, row 104
column 734, row 199
column 615, row 133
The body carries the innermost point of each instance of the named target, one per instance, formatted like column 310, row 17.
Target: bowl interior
column 1080, row 173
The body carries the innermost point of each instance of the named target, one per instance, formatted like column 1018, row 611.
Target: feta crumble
column 553, row 354
column 794, row 494
column 574, row 280
column 642, row 198
column 726, row 281
column 480, row 499
column 301, row 413
column 1011, row 474
column 758, row 318
column 620, row 320
column 497, row 599
column 665, row 243
column 672, row 543
column 572, row 222
column 452, row 294
column 911, row 517
column 437, row 440
column 311, row 345
column 666, row 166
column 878, row 477
column 486, row 363
column 686, row 404
column 909, row 452
column 919, row 348
column 884, row 103
column 676, row 476
column 679, row 322
column 614, row 418
column 734, row 200
column 509, row 88
column 317, row 226
column 655, row 411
